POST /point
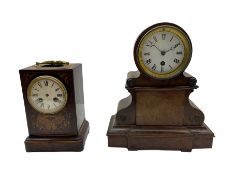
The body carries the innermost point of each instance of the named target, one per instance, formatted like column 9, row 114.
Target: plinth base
column 53, row 144
column 184, row 138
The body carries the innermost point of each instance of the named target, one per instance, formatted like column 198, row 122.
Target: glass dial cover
column 47, row 94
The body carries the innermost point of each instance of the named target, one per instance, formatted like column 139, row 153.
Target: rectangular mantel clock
column 54, row 105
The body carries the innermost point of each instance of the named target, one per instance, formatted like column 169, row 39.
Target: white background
column 101, row 35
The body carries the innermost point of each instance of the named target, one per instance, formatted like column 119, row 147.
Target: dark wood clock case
column 66, row 130
column 158, row 114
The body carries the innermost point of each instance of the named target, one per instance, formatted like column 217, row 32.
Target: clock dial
column 47, row 94
column 163, row 51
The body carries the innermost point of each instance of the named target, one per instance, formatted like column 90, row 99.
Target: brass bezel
column 46, row 77
column 167, row 27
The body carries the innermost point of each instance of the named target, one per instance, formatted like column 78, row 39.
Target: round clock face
column 47, row 94
column 163, row 51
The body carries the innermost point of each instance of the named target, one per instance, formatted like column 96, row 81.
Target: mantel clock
column 158, row 113
column 54, row 105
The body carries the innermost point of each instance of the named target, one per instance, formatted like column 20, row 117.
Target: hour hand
column 175, row 46
column 169, row 49
column 157, row 48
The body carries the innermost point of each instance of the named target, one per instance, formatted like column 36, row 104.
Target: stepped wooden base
column 52, row 144
column 184, row 138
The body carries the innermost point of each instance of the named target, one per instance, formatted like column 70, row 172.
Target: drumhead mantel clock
column 54, row 105
column 158, row 114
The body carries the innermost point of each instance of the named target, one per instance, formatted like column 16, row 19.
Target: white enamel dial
column 163, row 52
column 47, row 94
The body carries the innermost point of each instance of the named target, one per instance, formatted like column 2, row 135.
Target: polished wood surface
column 158, row 114
column 58, row 143
column 138, row 137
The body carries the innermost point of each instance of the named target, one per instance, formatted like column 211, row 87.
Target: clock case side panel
column 65, row 121
column 24, row 76
column 79, row 95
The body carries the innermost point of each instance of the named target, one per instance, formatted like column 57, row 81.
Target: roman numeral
column 148, row 61
column 59, row 95
column 57, row 89
column 176, row 61
column 162, row 69
column 147, row 53
column 39, row 84
column 171, row 39
column 150, row 44
column 35, row 95
column 154, row 37
column 179, row 53
column 163, row 36
column 46, row 83
column 154, row 67
column 56, row 100
column 42, row 105
column 52, row 85
column 176, row 45
column 170, row 66
column 35, row 89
